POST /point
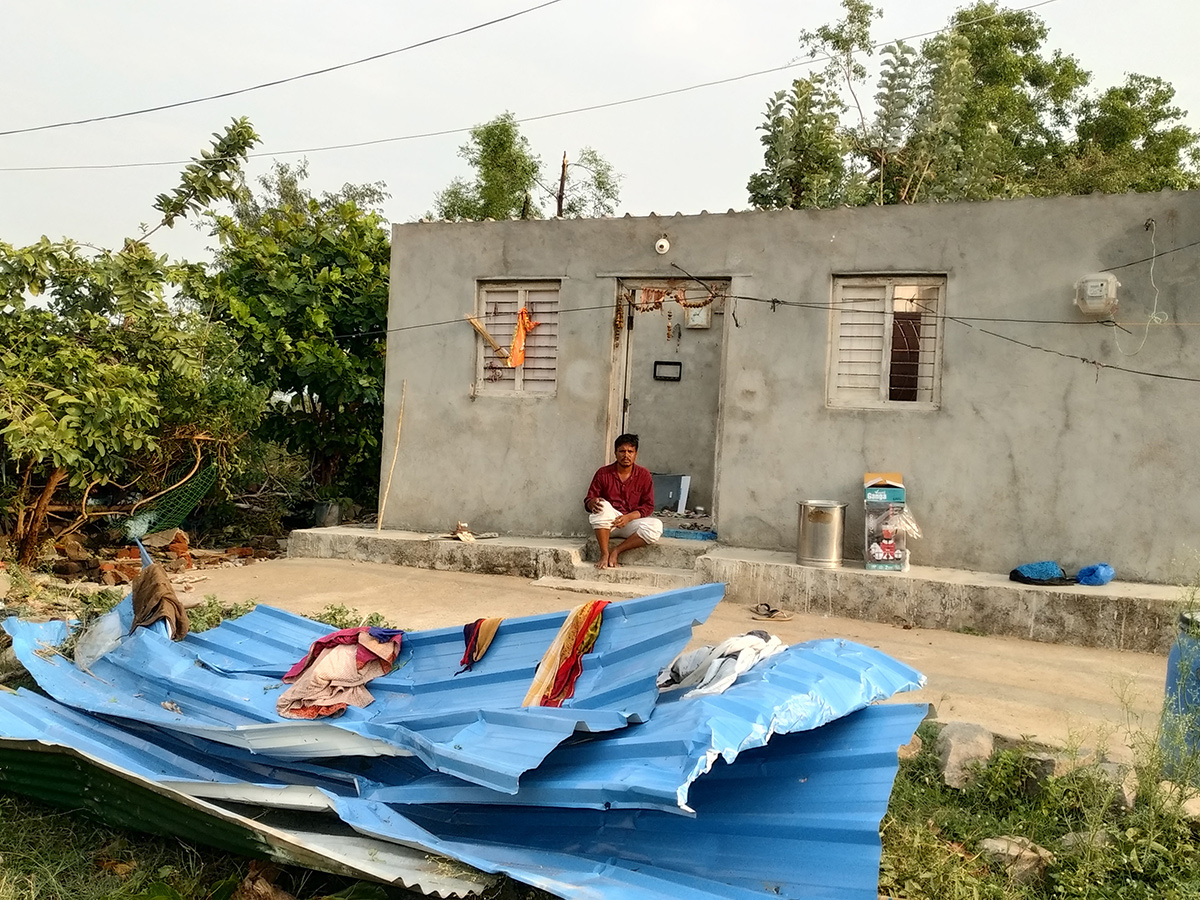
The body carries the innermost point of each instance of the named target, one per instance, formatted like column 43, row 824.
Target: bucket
column 1179, row 738
column 822, row 523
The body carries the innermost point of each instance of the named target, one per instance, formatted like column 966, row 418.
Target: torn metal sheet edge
column 796, row 818
column 71, row 778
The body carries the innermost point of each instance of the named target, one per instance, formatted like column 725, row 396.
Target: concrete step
column 668, row 553
column 661, row 578
column 610, row 589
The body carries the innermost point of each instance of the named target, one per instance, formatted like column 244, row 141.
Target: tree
column 805, row 155
column 302, row 283
column 981, row 110
column 509, row 183
column 101, row 380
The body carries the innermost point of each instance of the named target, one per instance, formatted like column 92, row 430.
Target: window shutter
column 500, row 305
column 858, row 342
column 885, row 342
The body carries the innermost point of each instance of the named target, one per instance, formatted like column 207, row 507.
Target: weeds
column 212, row 612
column 338, row 615
column 931, row 833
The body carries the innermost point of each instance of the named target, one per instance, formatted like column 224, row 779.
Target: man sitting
column 621, row 503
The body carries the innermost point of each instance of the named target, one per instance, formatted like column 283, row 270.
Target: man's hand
column 593, row 505
column 625, row 519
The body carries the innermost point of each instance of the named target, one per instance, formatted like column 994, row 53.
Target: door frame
column 621, row 370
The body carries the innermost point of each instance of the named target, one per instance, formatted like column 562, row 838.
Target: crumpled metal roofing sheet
column 798, row 818
column 654, row 764
column 76, row 761
column 221, row 685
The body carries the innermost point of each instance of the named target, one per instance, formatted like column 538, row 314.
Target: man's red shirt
column 634, row 494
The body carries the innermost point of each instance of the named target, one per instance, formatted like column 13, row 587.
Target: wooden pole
column 501, row 352
column 395, row 453
column 562, row 185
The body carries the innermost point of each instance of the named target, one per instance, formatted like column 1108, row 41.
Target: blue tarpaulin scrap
column 774, row 788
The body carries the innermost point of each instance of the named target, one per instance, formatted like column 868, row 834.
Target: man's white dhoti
column 648, row 528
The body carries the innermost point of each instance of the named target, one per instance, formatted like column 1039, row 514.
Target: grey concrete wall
column 1032, row 455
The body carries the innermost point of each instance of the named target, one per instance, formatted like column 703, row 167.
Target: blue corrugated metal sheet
column 797, row 818
column 653, row 765
column 60, row 756
column 224, row 684
column 774, row 788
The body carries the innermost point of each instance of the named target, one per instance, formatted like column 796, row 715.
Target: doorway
column 668, row 358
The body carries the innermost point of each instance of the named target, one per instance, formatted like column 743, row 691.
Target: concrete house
column 1032, row 367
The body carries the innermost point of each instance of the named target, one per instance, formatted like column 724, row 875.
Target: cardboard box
column 883, row 503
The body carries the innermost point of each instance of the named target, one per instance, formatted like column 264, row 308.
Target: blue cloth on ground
column 1100, row 573
column 1041, row 571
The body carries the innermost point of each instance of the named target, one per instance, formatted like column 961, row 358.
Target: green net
column 169, row 510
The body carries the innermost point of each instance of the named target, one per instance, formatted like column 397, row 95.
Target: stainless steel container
column 822, row 525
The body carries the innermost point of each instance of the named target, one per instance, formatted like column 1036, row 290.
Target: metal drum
column 822, row 524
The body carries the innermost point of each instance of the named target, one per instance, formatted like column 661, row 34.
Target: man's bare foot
column 602, row 563
column 612, row 560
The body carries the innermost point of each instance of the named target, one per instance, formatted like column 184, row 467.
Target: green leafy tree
column 1130, row 138
column 589, row 186
column 509, row 182
column 506, row 173
column 805, row 156
column 302, row 283
column 101, row 380
column 981, row 110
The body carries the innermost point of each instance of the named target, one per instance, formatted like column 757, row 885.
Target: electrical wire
column 965, row 321
column 523, row 120
column 279, row 81
column 1155, row 317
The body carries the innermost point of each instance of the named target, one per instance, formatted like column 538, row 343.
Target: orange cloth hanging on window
column 525, row 324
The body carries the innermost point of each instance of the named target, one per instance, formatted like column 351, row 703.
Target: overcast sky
column 64, row 60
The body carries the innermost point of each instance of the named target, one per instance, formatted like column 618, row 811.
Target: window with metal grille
column 498, row 308
column 886, row 342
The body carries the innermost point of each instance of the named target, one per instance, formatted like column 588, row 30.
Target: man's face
column 626, row 454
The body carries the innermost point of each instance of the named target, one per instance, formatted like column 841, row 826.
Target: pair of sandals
column 765, row 611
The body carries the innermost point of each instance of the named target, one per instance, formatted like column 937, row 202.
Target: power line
column 463, row 130
column 962, row 320
column 1152, row 257
column 279, row 81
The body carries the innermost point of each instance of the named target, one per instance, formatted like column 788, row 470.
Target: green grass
column 931, row 833
column 52, row 854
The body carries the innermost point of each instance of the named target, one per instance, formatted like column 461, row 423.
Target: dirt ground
column 1050, row 693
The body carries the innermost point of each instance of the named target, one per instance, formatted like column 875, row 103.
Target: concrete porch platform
column 1117, row 616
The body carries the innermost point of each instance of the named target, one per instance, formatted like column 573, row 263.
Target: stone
column 912, row 748
column 1074, row 841
column 1024, row 861
column 1184, row 795
column 67, row 567
column 1042, row 765
column 160, row 539
column 963, row 747
column 1124, row 779
column 264, row 542
column 72, row 548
